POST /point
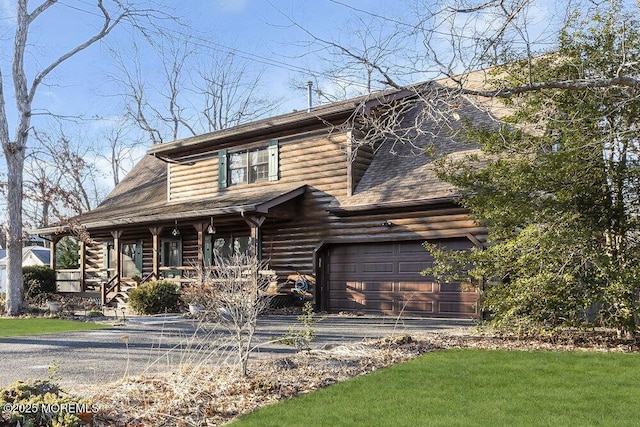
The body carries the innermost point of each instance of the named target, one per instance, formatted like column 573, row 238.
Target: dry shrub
column 237, row 293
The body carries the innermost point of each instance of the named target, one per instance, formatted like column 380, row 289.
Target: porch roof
column 142, row 206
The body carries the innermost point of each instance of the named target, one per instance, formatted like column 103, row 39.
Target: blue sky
column 261, row 32
column 256, row 29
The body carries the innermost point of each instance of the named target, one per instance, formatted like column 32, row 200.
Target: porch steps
column 119, row 298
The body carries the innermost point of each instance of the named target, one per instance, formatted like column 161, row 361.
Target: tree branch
column 38, row 10
column 507, row 92
column 109, row 24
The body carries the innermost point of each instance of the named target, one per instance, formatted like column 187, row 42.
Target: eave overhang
column 258, row 209
column 334, row 114
column 393, row 207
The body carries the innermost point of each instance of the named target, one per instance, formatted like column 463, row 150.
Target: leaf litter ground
column 210, row 396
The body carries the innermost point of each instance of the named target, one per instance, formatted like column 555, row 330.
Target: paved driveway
column 148, row 344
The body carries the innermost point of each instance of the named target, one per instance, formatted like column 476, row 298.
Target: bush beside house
column 154, row 298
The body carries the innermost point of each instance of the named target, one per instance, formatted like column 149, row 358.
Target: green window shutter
column 208, row 250
column 273, row 160
column 138, row 256
column 222, row 169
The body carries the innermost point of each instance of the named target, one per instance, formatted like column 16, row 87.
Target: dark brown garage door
column 384, row 278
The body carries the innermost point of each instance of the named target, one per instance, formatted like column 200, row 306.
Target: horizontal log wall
column 360, row 162
column 193, row 182
column 331, row 172
column 313, row 160
column 294, row 243
column 323, row 164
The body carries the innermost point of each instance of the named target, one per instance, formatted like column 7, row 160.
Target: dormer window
column 248, row 166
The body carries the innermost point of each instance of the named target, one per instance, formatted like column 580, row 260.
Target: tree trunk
column 15, row 164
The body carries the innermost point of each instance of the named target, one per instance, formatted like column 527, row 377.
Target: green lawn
column 475, row 387
column 40, row 325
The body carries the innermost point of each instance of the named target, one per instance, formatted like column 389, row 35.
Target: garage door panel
column 347, row 305
column 453, row 307
column 377, row 305
column 374, row 249
column 384, row 278
column 371, row 286
column 456, row 288
column 377, row 267
column 344, row 267
column 415, row 307
column 417, row 287
column 411, row 248
column 413, row 267
column 352, row 286
column 454, row 244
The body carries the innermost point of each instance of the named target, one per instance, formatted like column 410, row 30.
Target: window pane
column 259, row 156
column 248, row 166
column 241, row 245
column 238, row 160
column 129, row 268
column 221, row 247
column 259, row 172
column 238, row 168
column 238, row 176
column 227, row 246
column 112, row 256
column 171, row 252
column 259, row 162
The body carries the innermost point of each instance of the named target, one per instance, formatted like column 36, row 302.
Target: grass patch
column 475, row 387
column 40, row 325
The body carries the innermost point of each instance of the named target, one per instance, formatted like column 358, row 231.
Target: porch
column 115, row 290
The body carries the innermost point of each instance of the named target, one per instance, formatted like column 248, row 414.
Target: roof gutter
column 172, row 161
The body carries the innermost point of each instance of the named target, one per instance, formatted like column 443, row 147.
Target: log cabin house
column 295, row 190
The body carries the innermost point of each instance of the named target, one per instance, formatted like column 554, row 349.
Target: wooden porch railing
column 109, row 287
column 116, row 287
column 149, row 277
column 69, row 280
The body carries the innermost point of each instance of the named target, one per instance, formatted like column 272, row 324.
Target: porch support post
column 200, row 228
column 52, row 256
column 53, row 260
column 83, row 265
column 116, row 246
column 255, row 223
column 155, row 258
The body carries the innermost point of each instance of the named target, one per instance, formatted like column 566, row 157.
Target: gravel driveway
column 157, row 343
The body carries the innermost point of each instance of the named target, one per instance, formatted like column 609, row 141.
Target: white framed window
column 248, row 166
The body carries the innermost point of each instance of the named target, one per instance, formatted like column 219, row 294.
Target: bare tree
column 457, row 46
column 25, row 90
column 202, row 90
column 119, row 150
column 61, row 179
column 231, row 93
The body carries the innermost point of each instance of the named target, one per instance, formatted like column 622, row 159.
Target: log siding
column 331, row 174
column 326, row 193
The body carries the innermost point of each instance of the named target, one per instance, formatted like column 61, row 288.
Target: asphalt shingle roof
column 397, row 173
column 406, row 172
